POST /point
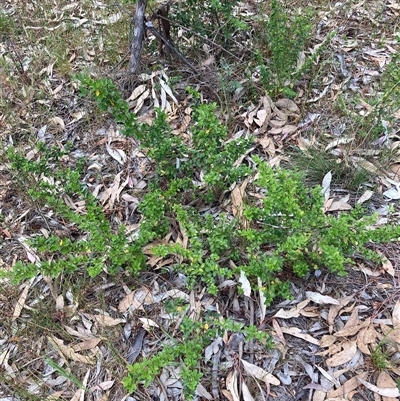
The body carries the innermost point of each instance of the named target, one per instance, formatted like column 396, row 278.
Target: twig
column 150, row 27
column 214, row 372
column 203, row 38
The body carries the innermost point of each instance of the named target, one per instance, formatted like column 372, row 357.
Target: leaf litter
column 335, row 333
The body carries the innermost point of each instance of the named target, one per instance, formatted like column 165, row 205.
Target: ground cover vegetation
column 242, row 183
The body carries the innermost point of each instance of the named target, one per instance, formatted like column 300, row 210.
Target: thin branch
column 150, row 27
column 203, row 38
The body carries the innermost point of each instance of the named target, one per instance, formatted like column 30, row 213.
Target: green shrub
column 285, row 38
column 290, row 222
column 50, row 182
column 288, row 229
column 187, row 353
column 210, row 18
column 284, row 228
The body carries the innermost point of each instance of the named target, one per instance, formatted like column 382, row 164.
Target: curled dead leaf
column 349, row 351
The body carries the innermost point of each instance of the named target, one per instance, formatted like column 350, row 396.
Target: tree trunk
column 138, row 34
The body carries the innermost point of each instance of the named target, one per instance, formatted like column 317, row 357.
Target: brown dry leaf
column 339, row 205
column 287, row 104
column 232, row 385
column 227, row 394
column 21, row 301
column 336, row 399
column 361, row 344
column 261, row 117
column 249, row 117
column 296, row 332
column 385, row 392
column 259, row 373
column 334, row 310
column 289, row 129
column 353, row 319
column 339, row 141
column 136, row 299
column 349, row 351
column 117, row 154
column 328, row 204
column 237, row 195
column 319, row 395
column 136, row 92
column 293, row 312
column 106, row 321
column 365, row 164
column 348, row 331
column 277, row 123
column 202, row 392
column 367, row 271
column 370, row 335
column 246, row 393
column 278, row 330
column 395, row 168
column 112, row 193
column 304, row 143
column 280, row 114
column 56, row 90
column 184, row 124
column 80, row 393
column 275, row 131
column 350, row 385
column 81, row 333
column 321, row 299
column 396, row 315
column 85, row 345
column 386, row 382
column 327, row 340
column 268, row 145
column 55, row 396
column 365, row 196
column 335, row 348
column 68, row 352
column 104, row 386
column 268, row 103
column 388, row 266
column 310, row 311
column 148, row 323
column 391, row 334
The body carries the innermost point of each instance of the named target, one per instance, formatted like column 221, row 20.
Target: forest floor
column 72, row 337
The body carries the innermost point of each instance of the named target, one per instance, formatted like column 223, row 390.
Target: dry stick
column 17, row 60
column 251, row 345
column 150, row 27
column 214, row 372
column 202, row 37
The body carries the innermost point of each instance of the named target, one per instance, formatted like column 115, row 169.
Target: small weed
column 7, row 25
column 316, row 163
column 380, row 358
